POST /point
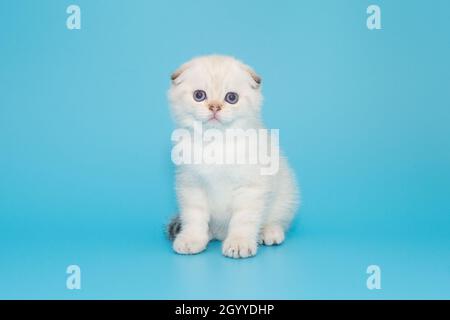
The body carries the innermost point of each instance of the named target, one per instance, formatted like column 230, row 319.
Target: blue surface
column 85, row 170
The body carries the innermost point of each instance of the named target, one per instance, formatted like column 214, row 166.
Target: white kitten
column 233, row 203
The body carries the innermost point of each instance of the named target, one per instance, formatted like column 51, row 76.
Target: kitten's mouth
column 213, row 119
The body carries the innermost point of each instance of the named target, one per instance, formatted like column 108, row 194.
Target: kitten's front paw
column 239, row 247
column 189, row 244
column 272, row 234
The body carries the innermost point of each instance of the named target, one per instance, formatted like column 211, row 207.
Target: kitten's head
column 216, row 91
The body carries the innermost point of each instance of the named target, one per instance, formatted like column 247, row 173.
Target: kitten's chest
column 225, row 176
column 221, row 182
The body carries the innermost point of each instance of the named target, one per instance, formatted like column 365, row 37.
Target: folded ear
column 255, row 77
column 175, row 75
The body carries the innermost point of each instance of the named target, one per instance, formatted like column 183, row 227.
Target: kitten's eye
column 199, row 95
column 231, row 97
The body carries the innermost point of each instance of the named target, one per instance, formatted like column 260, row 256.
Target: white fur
column 233, row 203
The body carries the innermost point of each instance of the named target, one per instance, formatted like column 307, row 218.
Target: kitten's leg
column 245, row 222
column 282, row 208
column 193, row 237
column 272, row 233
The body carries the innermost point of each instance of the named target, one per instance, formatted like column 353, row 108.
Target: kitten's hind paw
column 189, row 244
column 271, row 235
column 238, row 247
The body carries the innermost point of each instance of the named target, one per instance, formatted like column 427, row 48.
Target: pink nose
column 215, row 107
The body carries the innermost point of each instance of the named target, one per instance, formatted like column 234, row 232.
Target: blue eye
column 199, row 95
column 231, row 97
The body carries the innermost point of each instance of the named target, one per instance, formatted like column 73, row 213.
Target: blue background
column 85, row 170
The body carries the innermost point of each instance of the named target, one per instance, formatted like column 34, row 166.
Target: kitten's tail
column 173, row 228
